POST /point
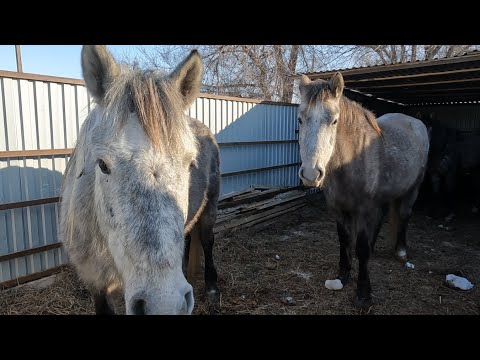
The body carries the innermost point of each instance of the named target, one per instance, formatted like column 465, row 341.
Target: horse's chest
column 346, row 197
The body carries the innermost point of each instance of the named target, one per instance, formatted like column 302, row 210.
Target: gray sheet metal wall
column 45, row 114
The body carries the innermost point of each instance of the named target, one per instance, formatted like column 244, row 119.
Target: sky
column 54, row 60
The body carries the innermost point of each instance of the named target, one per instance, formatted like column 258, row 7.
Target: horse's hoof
column 401, row 255
column 363, row 302
column 213, row 300
column 344, row 279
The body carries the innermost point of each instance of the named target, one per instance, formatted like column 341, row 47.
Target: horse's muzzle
column 311, row 177
column 177, row 303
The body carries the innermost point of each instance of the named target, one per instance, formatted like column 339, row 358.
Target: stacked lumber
column 257, row 206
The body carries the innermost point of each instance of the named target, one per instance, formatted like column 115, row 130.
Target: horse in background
column 365, row 166
column 143, row 176
column 442, row 170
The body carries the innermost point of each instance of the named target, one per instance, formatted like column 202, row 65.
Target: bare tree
column 257, row 71
column 267, row 71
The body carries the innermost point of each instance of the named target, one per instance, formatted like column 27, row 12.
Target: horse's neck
column 355, row 138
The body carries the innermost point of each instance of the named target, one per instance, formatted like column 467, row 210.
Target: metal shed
column 444, row 91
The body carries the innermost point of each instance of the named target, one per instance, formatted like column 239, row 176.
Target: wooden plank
column 235, row 193
column 273, row 216
column 32, row 251
column 34, row 153
column 254, row 193
column 20, row 204
column 25, row 279
column 239, row 223
column 280, row 201
column 246, row 219
column 275, row 219
column 261, row 196
column 248, row 171
column 265, row 204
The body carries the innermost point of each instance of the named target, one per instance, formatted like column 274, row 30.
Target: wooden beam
column 428, row 91
column 367, row 86
column 21, row 204
column 402, row 66
column 32, row 251
column 396, row 77
column 34, row 153
column 257, row 197
column 25, row 279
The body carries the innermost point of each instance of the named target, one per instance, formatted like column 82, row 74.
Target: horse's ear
column 304, row 81
column 336, row 84
column 99, row 70
column 187, row 77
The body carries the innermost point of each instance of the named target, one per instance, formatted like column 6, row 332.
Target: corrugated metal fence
column 40, row 118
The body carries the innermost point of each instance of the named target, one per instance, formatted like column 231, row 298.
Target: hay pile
column 282, row 270
column 66, row 296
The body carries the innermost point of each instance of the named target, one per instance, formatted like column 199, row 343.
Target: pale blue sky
column 55, row 60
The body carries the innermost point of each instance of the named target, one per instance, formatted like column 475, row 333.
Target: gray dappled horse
column 142, row 177
column 364, row 165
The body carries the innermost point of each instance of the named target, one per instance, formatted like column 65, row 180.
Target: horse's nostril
column 139, row 307
column 320, row 174
column 301, row 173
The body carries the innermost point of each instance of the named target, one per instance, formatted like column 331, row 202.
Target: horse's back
column 205, row 176
column 406, row 146
column 401, row 128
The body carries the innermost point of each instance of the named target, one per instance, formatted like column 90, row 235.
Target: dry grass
column 254, row 281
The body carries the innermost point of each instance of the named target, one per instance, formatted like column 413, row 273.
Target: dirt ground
column 282, row 270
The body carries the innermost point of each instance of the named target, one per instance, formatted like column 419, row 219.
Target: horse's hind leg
column 400, row 213
column 378, row 225
column 207, row 238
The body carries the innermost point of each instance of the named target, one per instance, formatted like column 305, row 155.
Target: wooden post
column 19, row 58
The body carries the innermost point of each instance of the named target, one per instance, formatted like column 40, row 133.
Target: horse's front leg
column 363, row 251
column 345, row 238
column 102, row 307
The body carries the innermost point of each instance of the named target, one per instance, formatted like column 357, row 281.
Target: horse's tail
column 194, row 255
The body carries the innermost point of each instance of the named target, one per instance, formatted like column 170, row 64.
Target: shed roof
column 439, row 81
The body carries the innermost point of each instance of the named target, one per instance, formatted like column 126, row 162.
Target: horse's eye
column 103, row 167
column 300, row 120
column 334, row 122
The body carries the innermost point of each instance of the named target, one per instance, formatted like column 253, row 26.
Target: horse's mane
column 350, row 111
column 158, row 105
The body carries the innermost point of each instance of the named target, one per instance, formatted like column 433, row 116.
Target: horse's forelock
column 159, row 106
column 319, row 91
